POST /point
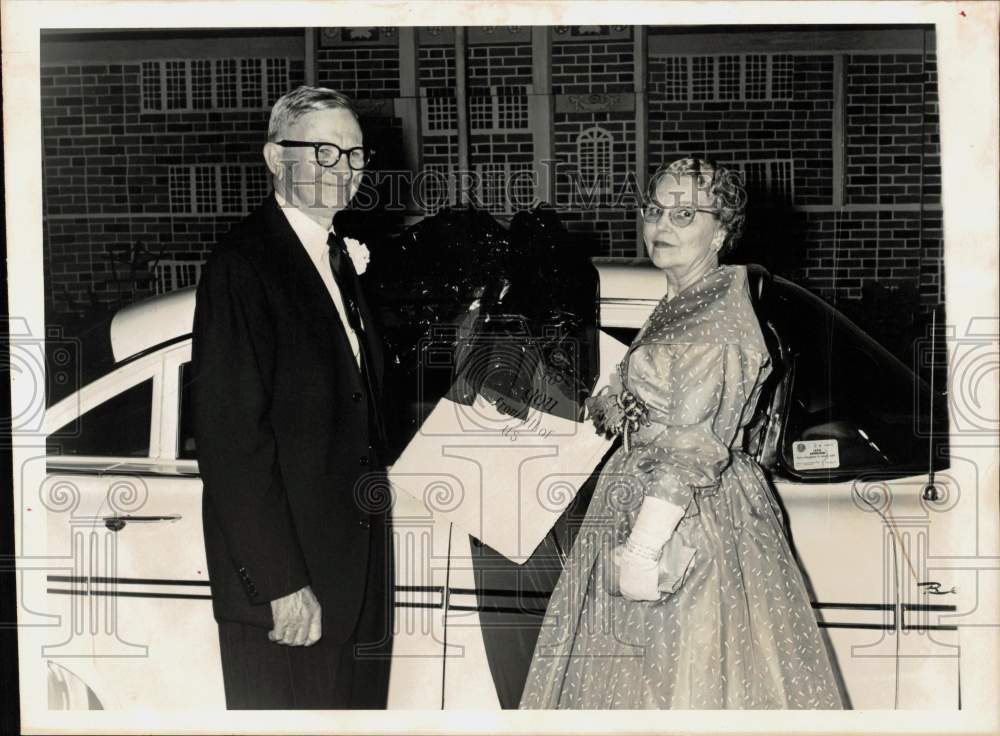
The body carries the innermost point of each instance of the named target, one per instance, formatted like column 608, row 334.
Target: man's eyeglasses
column 681, row 216
column 329, row 154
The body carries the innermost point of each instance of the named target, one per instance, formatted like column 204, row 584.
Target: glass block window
column 151, row 87
column 277, row 79
column 436, row 187
column 675, row 82
column 729, row 77
column 177, row 83
column 206, row 189
column 226, row 94
column 217, row 189
column 511, row 109
column 594, row 149
column 767, row 179
column 780, row 179
column 440, row 114
column 492, row 183
column 499, row 108
column 231, row 189
column 257, row 185
column 180, row 188
column 201, row 84
column 756, row 77
column 781, row 77
column 725, row 77
column 703, row 78
column 251, row 83
column 520, row 188
column 481, row 112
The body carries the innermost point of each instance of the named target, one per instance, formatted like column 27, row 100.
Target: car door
column 850, row 452
column 134, row 598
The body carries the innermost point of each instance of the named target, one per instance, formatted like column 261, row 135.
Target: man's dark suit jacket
column 282, row 430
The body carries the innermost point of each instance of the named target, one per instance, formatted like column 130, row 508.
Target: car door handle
column 117, row 523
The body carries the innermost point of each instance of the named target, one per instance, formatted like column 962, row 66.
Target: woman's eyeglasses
column 329, row 154
column 681, row 216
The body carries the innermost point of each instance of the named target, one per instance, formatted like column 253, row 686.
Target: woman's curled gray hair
column 724, row 187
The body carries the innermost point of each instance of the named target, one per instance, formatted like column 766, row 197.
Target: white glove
column 638, row 559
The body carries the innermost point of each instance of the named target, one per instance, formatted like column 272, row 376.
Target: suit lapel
column 307, row 283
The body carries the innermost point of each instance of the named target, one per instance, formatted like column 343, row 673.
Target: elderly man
column 287, row 375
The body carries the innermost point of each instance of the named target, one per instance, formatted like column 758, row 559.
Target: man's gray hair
column 301, row 100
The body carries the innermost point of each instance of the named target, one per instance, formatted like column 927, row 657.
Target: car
column 843, row 431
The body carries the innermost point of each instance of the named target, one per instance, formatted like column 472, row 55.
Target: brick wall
column 106, row 163
column 608, row 227
column 892, row 128
column 598, row 66
column 357, row 71
column 105, row 175
column 436, row 76
column 499, row 65
column 797, row 129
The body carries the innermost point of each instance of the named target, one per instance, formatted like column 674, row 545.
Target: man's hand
column 297, row 619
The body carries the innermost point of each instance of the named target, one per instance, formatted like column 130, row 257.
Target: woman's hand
column 637, row 575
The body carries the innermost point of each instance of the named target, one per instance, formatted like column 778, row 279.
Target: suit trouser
column 260, row 674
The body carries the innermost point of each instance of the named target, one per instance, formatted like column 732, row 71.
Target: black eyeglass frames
column 329, row 154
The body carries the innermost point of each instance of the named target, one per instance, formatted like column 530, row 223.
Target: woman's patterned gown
column 738, row 631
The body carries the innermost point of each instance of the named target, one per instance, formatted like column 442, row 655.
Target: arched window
column 594, row 152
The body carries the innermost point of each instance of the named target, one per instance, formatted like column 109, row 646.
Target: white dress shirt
column 313, row 237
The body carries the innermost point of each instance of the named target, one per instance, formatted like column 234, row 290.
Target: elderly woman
column 681, row 590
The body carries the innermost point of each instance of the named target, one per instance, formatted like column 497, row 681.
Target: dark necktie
column 347, row 281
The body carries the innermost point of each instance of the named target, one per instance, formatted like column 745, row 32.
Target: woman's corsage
column 617, row 413
column 360, row 256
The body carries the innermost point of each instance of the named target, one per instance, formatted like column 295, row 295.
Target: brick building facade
column 152, row 143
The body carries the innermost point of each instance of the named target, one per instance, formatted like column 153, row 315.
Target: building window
column 480, row 111
column 725, row 77
column 492, row 181
column 703, row 78
column 202, row 84
column 781, row 77
column 217, row 189
column 755, row 85
column 440, row 112
column 770, row 180
column 177, row 85
column 594, row 150
column 729, row 77
column 511, row 108
column 675, row 81
column 505, row 188
column 226, row 86
column 152, row 93
column 436, row 190
column 499, row 109
column 256, row 186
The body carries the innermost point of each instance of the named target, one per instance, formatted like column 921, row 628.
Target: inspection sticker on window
column 815, row 454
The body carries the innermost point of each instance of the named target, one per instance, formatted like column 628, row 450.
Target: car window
column 185, row 420
column 622, row 334
column 118, row 427
column 854, row 408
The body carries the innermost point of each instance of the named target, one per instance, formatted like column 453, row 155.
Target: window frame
column 103, row 389
column 268, row 68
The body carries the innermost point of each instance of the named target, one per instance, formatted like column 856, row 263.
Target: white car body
column 136, row 620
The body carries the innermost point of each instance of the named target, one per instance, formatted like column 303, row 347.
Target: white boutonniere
column 360, row 256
